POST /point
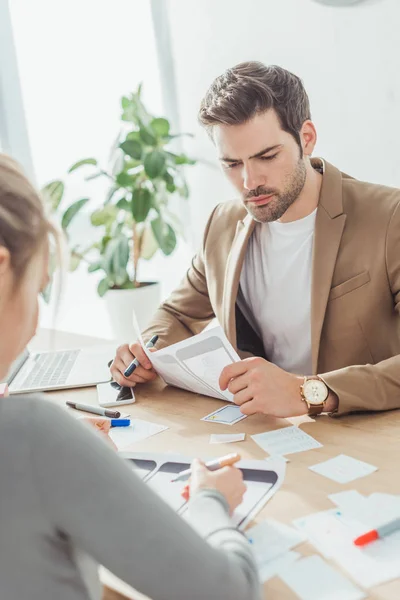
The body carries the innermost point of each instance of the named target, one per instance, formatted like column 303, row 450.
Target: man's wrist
column 331, row 403
column 330, row 406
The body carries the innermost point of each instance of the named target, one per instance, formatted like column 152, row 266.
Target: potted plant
column 135, row 219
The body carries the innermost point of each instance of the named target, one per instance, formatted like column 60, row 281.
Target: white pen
column 95, row 410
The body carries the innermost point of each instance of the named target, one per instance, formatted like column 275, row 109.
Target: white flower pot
column 121, row 304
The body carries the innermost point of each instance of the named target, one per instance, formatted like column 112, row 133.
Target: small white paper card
column 343, row 469
column 226, row 438
column 312, row 578
column 124, row 437
column 271, row 538
column 227, row 415
column 285, row 441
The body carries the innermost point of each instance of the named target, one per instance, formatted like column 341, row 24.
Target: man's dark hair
column 252, row 88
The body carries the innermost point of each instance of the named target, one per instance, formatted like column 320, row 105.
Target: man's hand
column 125, row 355
column 261, row 387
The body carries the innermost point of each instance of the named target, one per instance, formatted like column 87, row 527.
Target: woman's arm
column 93, row 497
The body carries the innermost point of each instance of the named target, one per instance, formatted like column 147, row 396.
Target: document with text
column 195, row 364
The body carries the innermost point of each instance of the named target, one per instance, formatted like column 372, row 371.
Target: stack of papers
column 343, row 469
column 333, row 533
column 271, row 542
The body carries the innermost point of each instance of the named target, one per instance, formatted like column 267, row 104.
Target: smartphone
column 108, row 395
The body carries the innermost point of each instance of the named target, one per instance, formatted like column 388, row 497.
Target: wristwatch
column 314, row 393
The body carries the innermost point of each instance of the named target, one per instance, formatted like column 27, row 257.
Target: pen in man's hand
column 135, row 363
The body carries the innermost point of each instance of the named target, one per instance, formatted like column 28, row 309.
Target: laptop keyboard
column 52, row 369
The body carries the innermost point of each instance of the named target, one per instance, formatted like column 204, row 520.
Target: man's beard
column 276, row 208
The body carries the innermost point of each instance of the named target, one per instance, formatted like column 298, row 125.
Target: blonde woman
column 66, row 499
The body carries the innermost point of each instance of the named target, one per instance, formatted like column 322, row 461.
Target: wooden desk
column 374, row 438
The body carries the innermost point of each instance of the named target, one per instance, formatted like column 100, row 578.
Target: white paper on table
column 124, row 437
column 276, row 565
column 226, row 438
column 333, row 534
column 270, row 539
column 272, row 457
column 348, row 499
column 312, row 578
column 257, row 493
column 343, row 468
column 285, row 441
column 194, row 364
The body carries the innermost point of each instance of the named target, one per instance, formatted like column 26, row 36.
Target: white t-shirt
column 275, row 291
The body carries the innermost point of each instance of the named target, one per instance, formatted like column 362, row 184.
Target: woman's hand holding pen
column 101, row 425
column 124, row 357
column 228, row 481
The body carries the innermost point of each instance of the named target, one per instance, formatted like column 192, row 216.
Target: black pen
column 135, row 363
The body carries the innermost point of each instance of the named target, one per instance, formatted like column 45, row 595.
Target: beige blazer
column 355, row 297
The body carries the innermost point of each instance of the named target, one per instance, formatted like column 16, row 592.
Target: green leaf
column 116, row 260
column 149, row 244
column 132, row 148
column 123, row 179
column 124, row 204
column 160, row 127
column 133, row 135
column 154, row 164
column 94, row 176
column 110, row 194
column 74, row 262
column 103, row 287
column 182, row 159
column 125, row 102
column 141, row 204
column 72, row 211
column 148, row 138
column 184, row 190
column 164, row 235
column 169, row 180
column 80, row 163
column 104, row 216
column 96, row 266
column 53, row 193
column 105, row 240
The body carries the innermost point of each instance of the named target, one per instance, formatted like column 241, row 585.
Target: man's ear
column 5, row 260
column 308, row 136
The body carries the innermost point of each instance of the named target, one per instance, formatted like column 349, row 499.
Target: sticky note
column 285, row 441
column 343, row 469
column 312, row 578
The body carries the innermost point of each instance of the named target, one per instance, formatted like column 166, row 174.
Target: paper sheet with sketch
column 195, row 364
column 262, row 481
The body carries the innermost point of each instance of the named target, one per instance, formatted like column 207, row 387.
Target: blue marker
column 120, row 422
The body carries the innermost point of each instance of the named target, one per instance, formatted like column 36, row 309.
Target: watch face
column 315, row 391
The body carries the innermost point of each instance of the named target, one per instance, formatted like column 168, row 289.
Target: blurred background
column 70, row 73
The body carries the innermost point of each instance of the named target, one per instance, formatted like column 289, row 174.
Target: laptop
column 58, row 370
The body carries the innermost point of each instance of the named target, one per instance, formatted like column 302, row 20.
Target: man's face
column 264, row 163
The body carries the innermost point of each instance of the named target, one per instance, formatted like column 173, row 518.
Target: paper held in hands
column 194, row 364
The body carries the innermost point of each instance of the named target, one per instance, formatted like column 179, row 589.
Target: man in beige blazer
column 302, row 272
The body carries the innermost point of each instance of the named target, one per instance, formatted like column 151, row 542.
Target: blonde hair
column 24, row 225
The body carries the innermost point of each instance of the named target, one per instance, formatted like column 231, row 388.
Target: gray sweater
column 64, row 494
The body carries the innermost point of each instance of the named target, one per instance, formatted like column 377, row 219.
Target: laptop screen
column 15, row 367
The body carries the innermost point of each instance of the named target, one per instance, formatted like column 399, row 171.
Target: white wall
column 349, row 59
